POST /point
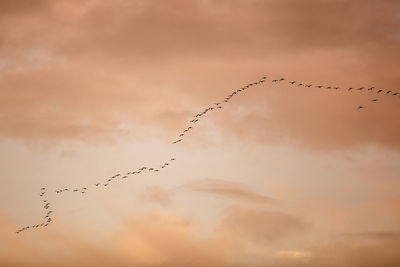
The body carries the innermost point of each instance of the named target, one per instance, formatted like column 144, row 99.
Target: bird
column 336, row 88
column 319, row 86
column 361, row 88
column 308, row 85
column 292, row 82
column 371, row 88
column 328, row 87
column 379, row 91
column 350, row 88
column 282, row 79
column 374, row 100
column 300, row 84
column 395, row 93
column 172, row 158
column 388, row 92
column 360, row 107
column 274, row 81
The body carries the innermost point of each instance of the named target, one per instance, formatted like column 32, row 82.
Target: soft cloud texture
column 107, row 85
column 227, row 189
column 90, row 70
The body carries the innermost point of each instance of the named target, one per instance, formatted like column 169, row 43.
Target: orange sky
column 281, row 176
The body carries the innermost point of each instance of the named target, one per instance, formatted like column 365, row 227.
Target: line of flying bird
column 219, row 105
column 47, row 218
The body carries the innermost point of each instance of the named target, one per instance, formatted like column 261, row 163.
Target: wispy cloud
column 229, row 189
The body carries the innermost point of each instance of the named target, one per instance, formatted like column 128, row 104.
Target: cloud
column 169, row 239
column 158, row 195
column 380, row 235
column 228, row 189
column 148, row 240
column 115, row 64
column 261, row 226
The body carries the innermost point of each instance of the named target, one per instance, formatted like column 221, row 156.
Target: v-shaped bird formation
column 217, row 106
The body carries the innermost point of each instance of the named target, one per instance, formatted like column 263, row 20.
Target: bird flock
column 119, row 177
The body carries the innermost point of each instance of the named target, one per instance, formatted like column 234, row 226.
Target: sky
column 283, row 175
